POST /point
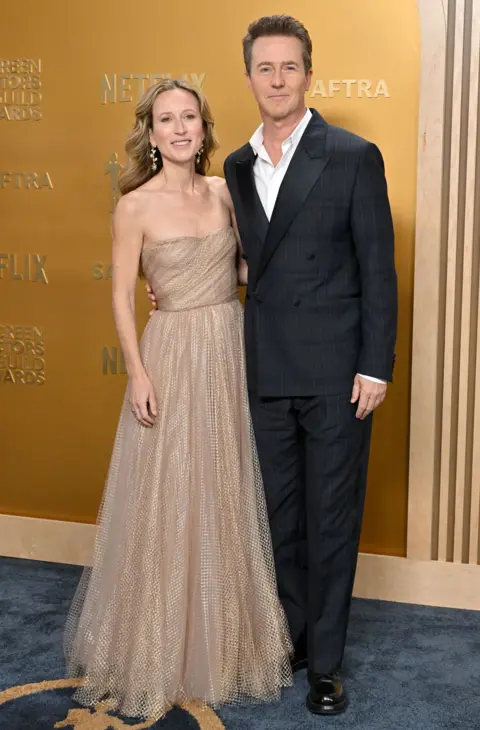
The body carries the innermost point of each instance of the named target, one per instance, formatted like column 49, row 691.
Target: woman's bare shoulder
column 218, row 185
column 129, row 212
column 136, row 202
column 216, row 182
column 130, row 203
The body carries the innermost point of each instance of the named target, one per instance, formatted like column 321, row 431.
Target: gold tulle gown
column 181, row 600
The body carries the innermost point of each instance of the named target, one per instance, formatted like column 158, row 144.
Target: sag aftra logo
column 47, row 705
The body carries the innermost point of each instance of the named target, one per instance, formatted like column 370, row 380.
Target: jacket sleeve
column 373, row 236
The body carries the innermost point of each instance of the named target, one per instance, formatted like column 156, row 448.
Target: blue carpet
column 406, row 668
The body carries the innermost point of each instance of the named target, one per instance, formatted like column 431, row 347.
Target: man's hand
column 152, row 298
column 368, row 394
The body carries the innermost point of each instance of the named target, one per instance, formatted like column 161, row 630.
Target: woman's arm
column 126, row 250
column 242, row 268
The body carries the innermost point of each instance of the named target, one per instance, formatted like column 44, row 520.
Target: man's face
column 277, row 76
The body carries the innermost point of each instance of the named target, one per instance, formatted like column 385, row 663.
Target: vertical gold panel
column 427, row 349
column 450, row 292
column 473, row 217
column 469, row 291
column 449, row 488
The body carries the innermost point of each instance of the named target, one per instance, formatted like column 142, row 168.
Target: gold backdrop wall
column 70, row 75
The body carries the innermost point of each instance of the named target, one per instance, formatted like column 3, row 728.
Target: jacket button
column 311, row 256
column 296, row 302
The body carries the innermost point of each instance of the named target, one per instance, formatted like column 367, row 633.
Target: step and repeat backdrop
column 70, row 76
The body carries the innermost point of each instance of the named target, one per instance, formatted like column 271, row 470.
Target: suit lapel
column 305, row 168
column 252, row 209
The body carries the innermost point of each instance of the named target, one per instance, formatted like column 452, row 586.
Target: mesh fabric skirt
column 181, row 600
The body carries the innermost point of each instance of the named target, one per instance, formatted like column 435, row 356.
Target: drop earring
column 153, row 158
column 199, row 155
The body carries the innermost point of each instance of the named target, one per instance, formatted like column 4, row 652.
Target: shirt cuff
column 374, row 380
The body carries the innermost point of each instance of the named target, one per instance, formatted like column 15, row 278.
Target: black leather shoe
column 327, row 695
column 300, row 658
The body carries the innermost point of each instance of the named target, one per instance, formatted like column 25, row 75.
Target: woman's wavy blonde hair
column 137, row 147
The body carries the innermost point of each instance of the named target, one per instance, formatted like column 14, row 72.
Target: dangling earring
column 199, row 155
column 154, row 159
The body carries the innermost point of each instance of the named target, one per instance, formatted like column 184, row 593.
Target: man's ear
column 309, row 80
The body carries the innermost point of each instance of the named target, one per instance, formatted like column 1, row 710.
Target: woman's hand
column 142, row 400
column 152, row 298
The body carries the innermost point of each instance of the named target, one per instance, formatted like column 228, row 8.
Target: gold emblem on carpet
column 98, row 718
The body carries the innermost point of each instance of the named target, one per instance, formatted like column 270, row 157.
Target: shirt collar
column 256, row 140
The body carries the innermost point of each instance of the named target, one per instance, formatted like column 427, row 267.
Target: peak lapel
column 256, row 220
column 306, row 166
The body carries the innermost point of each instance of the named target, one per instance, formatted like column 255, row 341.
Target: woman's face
column 177, row 125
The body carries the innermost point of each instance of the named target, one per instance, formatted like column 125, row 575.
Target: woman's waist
column 170, row 304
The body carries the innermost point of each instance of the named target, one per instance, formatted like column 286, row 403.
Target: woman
column 181, row 601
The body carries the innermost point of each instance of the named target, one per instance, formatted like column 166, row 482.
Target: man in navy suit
column 313, row 214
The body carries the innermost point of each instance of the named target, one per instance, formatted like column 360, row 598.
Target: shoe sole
column 322, row 710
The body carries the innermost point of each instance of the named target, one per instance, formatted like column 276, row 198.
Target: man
column 314, row 219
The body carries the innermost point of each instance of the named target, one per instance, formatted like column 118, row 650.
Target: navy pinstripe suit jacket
column 321, row 300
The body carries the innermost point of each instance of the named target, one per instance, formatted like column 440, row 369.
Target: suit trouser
column 313, row 454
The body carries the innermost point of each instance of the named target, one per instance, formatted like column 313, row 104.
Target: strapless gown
column 181, row 600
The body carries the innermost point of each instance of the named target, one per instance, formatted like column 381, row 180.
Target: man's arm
column 373, row 237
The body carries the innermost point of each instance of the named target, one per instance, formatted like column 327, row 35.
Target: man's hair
column 271, row 25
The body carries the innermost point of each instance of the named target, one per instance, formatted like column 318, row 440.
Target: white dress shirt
column 269, row 177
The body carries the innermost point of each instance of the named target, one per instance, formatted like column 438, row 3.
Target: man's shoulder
column 243, row 152
column 343, row 140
